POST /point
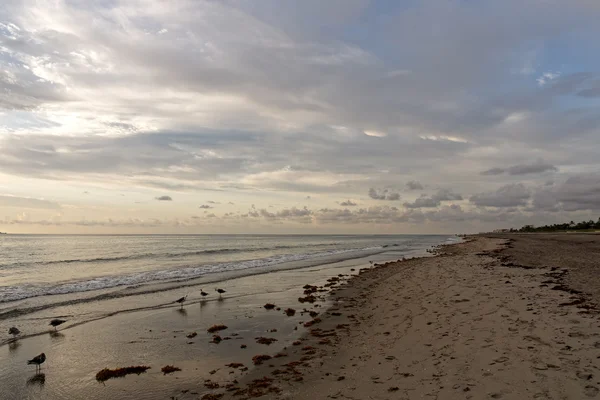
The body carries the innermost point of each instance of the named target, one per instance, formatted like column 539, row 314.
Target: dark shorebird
column 38, row 361
column 181, row 300
column 203, row 293
column 14, row 331
column 221, row 291
column 56, row 322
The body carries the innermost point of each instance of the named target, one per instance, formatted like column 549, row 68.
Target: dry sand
column 474, row 322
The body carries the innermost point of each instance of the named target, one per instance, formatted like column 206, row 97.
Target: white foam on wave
column 14, row 293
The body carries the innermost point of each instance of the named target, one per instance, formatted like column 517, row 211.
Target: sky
column 275, row 116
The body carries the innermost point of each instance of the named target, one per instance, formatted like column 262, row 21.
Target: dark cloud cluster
column 383, row 194
column 414, row 185
column 434, row 200
column 512, row 195
column 522, row 169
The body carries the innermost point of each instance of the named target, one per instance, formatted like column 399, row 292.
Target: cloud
column 547, row 77
column 273, row 102
column 383, row 194
column 434, row 200
column 522, row 169
column 414, row 185
column 205, row 206
column 164, row 198
column 348, row 203
column 512, row 195
column 27, row 202
column 576, row 193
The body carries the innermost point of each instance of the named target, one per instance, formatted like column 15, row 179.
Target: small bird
column 56, row 322
column 221, row 291
column 181, row 300
column 38, row 361
column 14, row 331
column 203, row 293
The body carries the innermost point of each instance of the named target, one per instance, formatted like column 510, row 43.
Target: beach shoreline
column 472, row 322
column 152, row 330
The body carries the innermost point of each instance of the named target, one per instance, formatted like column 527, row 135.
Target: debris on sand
column 169, row 369
column 311, row 323
column 290, row 312
column 215, row 328
column 307, row 299
column 234, row 365
column 243, row 346
column 258, row 388
column 257, row 360
column 210, row 384
column 264, row 340
column 211, row 396
column 308, row 289
column 313, row 314
column 269, row 306
column 297, row 343
column 216, row 339
column 191, row 335
column 107, row 374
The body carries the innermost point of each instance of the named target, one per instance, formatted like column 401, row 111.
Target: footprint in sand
column 591, row 391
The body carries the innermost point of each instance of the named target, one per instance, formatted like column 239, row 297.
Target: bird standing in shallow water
column 14, row 331
column 221, row 291
column 56, row 322
column 181, row 300
column 38, row 361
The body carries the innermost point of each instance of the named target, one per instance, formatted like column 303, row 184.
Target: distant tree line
column 571, row 226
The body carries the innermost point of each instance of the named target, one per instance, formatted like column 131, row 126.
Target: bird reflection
column 182, row 311
column 14, row 345
column 37, row 379
column 56, row 335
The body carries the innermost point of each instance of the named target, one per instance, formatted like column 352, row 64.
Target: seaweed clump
column 169, row 369
column 265, row 340
column 107, row 373
column 216, row 328
column 257, row 360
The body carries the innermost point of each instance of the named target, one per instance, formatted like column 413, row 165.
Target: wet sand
column 476, row 322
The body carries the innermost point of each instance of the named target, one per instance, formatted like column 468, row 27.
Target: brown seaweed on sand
column 290, row 312
column 215, row 328
column 311, row 323
column 216, row 339
column 169, row 369
column 269, row 306
column 307, row 299
column 264, row 340
column 107, row 374
column 258, row 388
column 212, row 396
column 210, row 384
column 234, row 365
column 191, row 335
column 257, row 360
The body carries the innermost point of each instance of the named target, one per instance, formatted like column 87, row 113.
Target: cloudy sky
column 339, row 116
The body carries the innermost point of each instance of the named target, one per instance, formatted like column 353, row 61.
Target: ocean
column 41, row 272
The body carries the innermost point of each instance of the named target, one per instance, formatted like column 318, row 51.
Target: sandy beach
column 480, row 321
